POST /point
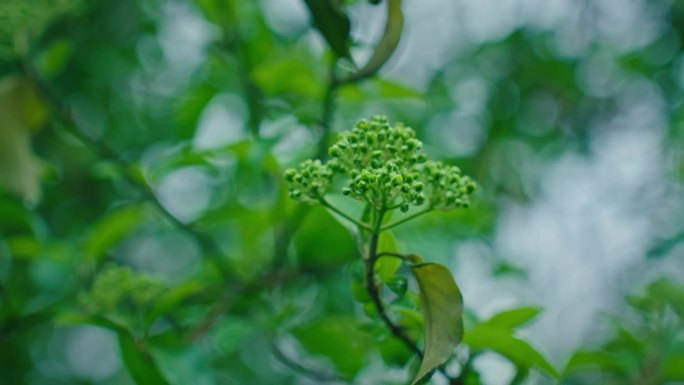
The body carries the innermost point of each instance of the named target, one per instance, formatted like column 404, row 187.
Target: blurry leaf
column 339, row 339
column 511, row 319
column 292, row 74
column 386, row 267
column 390, row 89
column 388, row 42
column 24, row 247
column 398, row 284
column 314, row 247
column 360, row 292
column 506, row 268
column 231, row 333
column 190, row 109
column 673, row 368
column 394, row 352
column 443, row 315
column 183, row 364
column 333, row 24
column 20, row 20
column 111, row 229
column 139, row 362
column 487, row 337
column 135, row 355
column 174, row 297
column 56, row 56
column 599, row 360
column 22, row 111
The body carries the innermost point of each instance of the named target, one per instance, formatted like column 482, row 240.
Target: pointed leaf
column 486, row 337
column 443, row 315
column 511, row 319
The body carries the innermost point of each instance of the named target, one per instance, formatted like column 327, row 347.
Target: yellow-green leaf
column 386, row 267
column 443, row 315
column 21, row 111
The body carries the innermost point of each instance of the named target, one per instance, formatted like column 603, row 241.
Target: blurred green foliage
column 147, row 236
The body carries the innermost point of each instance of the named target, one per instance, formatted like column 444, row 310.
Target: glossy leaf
column 443, row 315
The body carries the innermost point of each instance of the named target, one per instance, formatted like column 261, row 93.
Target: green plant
column 382, row 166
column 647, row 347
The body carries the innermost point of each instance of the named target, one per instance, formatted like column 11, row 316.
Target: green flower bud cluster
column 310, row 182
column 385, row 167
column 119, row 292
column 449, row 189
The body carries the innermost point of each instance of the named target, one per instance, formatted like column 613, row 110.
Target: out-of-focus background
column 152, row 134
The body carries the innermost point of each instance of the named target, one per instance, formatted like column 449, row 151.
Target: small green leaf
column 511, row 319
column 387, row 267
column 487, row 337
column 333, row 24
column 443, row 315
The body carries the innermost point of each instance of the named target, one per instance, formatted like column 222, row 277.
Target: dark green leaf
column 333, row 24
column 139, row 362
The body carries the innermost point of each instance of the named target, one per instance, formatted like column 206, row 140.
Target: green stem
column 345, row 215
column 405, row 219
column 372, row 288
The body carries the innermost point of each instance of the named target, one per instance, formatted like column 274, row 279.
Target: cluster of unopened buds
column 385, row 167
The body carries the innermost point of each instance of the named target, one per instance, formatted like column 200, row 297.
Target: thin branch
column 345, row 215
column 64, row 114
column 405, row 219
column 373, row 292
